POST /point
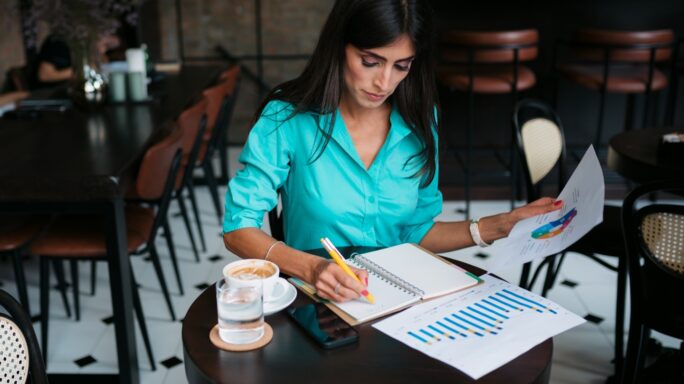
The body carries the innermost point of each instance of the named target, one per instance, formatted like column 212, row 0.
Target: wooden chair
column 624, row 62
column 15, row 233
column 488, row 62
column 79, row 237
column 193, row 123
column 221, row 100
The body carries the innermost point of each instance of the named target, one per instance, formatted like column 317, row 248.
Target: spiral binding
column 386, row 275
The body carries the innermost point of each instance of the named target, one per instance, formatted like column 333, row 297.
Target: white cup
column 255, row 272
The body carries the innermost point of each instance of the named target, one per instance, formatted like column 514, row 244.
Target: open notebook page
column 388, row 298
column 423, row 270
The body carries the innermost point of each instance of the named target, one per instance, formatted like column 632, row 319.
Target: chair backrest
column 229, row 83
column 275, row 222
column 231, row 79
column 156, row 165
column 540, row 143
column 214, row 97
column 625, row 46
column 662, row 234
column 20, row 357
column 230, row 75
column 654, row 242
column 489, row 46
column 192, row 122
column 189, row 122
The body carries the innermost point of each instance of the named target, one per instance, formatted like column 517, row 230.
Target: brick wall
column 11, row 45
column 289, row 27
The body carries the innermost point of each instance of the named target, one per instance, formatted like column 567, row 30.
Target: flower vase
column 87, row 87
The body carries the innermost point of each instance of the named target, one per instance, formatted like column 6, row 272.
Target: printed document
column 551, row 233
column 480, row 329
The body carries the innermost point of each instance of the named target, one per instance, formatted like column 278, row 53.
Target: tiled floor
column 581, row 355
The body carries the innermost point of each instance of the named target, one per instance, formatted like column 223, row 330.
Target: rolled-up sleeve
column 429, row 206
column 266, row 164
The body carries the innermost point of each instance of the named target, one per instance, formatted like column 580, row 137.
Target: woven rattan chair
column 20, row 358
column 655, row 247
column 541, row 145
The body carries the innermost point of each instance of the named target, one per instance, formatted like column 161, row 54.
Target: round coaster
column 218, row 343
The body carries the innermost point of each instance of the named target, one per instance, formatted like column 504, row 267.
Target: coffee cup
column 255, row 272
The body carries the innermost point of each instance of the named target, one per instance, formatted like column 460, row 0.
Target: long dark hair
column 370, row 24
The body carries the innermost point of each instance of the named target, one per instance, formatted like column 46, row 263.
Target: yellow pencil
column 337, row 257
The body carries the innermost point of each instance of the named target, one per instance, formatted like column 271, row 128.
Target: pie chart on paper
column 555, row 227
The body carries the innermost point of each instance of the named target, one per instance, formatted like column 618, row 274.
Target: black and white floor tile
column 581, row 355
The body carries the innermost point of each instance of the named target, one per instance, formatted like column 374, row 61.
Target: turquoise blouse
column 334, row 196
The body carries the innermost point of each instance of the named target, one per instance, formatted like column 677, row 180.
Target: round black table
column 634, row 155
column 292, row 357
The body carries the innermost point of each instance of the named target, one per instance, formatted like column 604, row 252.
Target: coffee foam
column 252, row 272
column 247, row 276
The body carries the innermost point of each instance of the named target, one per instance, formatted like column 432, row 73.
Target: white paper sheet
column 482, row 328
column 551, row 233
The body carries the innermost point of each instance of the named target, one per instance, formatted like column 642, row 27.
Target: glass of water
column 240, row 313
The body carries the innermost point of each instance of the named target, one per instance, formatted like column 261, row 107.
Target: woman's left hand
column 499, row 226
column 535, row 208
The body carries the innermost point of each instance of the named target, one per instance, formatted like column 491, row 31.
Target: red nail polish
column 364, row 292
column 366, row 279
column 558, row 203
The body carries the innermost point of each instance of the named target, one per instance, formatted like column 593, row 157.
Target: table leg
column 620, row 315
column 121, row 285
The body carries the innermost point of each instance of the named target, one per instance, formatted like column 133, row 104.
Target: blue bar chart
column 482, row 328
column 485, row 317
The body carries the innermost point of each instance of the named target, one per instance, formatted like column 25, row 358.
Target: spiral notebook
column 399, row 277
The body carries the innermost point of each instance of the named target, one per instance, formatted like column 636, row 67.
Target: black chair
column 15, row 233
column 22, row 361
column 677, row 68
column 275, row 222
column 541, row 145
column 654, row 237
column 232, row 74
column 193, row 122
column 221, row 100
column 487, row 62
column 611, row 61
column 78, row 237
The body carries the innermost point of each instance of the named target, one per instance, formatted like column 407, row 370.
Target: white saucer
column 287, row 299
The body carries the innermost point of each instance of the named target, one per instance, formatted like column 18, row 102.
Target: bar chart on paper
column 539, row 236
column 480, row 329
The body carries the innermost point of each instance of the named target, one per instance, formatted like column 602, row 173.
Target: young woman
column 351, row 146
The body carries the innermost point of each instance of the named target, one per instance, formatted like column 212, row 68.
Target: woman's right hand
column 332, row 283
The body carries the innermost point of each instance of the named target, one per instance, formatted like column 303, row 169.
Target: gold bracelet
column 270, row 248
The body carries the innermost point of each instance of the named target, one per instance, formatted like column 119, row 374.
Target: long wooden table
column 77, row 161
